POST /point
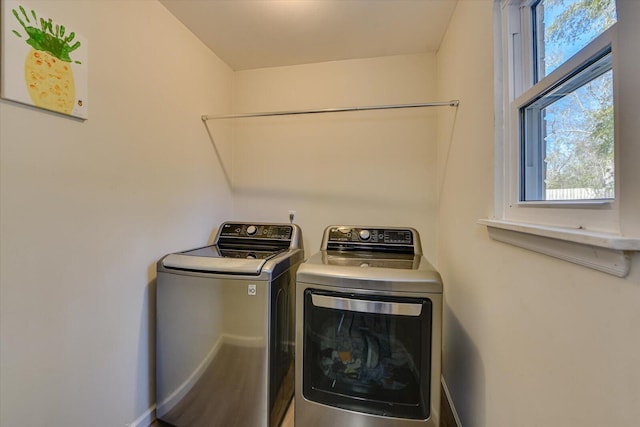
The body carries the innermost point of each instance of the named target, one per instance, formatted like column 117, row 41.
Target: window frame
column 520, row 91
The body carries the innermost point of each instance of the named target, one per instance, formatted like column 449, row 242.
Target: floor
column 203, row 406
column 446, row 416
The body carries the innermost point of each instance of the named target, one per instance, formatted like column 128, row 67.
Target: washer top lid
column 243, row 249
column 184, row 261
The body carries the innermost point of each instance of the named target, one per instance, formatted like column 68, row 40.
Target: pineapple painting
column 43, row 63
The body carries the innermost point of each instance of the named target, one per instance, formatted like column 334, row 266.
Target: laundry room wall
column 372, row 168
column 529, row 340
column 88, row 207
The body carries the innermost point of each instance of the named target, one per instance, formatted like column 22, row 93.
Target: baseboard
column 145, row 419
column 453, row 408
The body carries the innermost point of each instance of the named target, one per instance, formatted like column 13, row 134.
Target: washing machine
column 369, row 331
column 225, row 328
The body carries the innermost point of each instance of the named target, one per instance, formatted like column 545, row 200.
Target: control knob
column 365, row 235
column 251, row 230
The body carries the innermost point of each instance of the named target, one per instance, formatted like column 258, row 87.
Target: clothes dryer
column 368, row 340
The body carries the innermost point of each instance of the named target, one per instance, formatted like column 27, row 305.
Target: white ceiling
column 248, row 34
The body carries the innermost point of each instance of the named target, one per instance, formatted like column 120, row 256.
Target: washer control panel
column 346, row 235
column 256, row 231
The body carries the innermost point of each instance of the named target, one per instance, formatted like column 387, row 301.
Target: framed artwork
column 44, row 63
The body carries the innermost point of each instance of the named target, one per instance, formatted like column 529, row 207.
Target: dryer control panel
column 371, row 238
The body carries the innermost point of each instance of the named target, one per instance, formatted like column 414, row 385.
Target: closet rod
column 452, row 103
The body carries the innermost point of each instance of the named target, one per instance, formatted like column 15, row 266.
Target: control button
column 364, row 234
column 251, row 230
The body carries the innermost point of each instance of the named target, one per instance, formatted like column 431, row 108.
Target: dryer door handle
column 367, row 306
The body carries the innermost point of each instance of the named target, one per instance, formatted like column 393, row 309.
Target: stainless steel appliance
column 225, row 328
column 368, row 338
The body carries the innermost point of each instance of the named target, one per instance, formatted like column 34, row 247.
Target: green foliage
column 46, row 38
column 583, row 16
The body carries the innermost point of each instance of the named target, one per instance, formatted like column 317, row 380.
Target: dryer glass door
column 368, row 353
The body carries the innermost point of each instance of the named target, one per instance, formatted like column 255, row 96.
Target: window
column 559, row 90
column 558, row 63
column 565, row 113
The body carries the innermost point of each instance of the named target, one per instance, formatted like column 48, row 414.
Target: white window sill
column 605, row 252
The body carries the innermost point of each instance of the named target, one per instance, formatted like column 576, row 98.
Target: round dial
column 365, row 235
column 251, row 230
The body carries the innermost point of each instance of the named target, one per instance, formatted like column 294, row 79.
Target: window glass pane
column 563, row 27
column 569, row 142
column 579, row 143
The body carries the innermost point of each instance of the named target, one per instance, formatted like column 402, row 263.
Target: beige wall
column 529, row 340
column 87, row 208
column 374, row 168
